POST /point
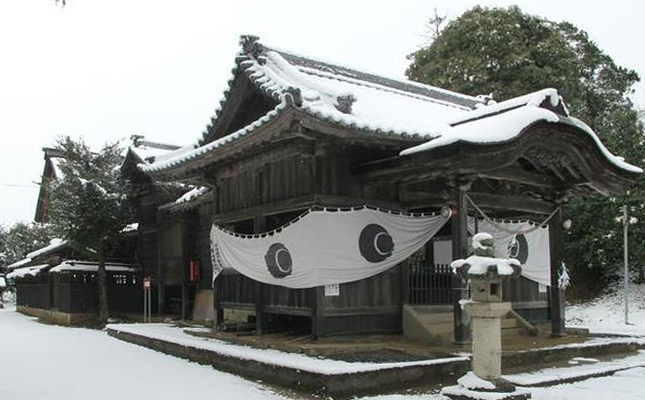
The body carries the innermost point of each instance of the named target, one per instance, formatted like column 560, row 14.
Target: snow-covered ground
column 49, row 362
column 607, row 313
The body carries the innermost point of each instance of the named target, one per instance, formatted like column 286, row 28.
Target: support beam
column 460, row 250
column 511, row 203
column 515, row 174
column 556, row 295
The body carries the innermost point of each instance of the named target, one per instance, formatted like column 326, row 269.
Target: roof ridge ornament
column 251, row 45
column 487, row 100
column 553, row 101
column 345, row 102
column 293, row 96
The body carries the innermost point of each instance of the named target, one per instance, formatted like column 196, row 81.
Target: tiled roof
column 366, row 102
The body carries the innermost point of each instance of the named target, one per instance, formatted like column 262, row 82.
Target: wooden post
column 261, row 322
column 460, row 250
column 556, row 295
column 318, row 315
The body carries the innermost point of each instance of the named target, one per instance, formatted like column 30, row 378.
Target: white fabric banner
column 326, row 247
column 530, row 249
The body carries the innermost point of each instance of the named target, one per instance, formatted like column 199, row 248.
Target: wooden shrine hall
column 295, row 134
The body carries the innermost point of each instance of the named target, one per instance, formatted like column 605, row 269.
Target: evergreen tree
column 90, row 205
column 507, row 53
column 23, row 238
column 3, row 246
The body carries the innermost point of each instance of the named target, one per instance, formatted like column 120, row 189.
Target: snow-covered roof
column 188, row 200
column 148, row 152
column 18, row 264
column 54, row 244
column 506, row 120
column 87, row 266
column 365, row 102
column 192, row 194
column 26, row 271
column 340, row 94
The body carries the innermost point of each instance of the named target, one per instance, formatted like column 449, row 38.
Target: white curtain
column 531, row 249
column 325, row 247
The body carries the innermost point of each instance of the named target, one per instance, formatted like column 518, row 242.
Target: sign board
column 146, row 283
column 541, row 288
column 332, row 290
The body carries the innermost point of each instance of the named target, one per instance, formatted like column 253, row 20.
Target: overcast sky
column 104, row 70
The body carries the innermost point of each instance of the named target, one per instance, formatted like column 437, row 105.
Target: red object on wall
column 194, row 271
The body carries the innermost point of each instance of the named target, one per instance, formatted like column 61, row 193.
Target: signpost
column 147, row 300
column 626, row 222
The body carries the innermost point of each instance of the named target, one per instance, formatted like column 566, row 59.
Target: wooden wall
column 369, row 305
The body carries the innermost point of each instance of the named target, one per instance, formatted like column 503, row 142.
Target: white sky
column 107, row 69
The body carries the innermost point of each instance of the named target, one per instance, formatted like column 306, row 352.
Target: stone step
column 512, row 331
column 509, row 323
column 442, row 318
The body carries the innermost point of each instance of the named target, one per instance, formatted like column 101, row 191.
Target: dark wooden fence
column 34, row 292
column 77, row 292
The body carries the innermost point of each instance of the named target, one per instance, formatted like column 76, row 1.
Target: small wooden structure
column 168, row 232
column 67, row 293
column 295, row 132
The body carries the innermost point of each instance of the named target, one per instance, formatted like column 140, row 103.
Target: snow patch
column 26, row 271
column 54, row 244
column 131, row 227
column 192, row 194
column 479, row 265
column 86, row 266
column 473, row 382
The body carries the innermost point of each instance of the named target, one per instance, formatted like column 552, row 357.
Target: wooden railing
column 430, row 284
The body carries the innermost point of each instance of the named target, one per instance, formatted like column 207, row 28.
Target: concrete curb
column 341, row 385
column 337, row 385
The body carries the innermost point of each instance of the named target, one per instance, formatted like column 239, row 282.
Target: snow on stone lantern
column 485, row 274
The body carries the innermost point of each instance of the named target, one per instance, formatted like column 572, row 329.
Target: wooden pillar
column 556, row 295
column 219, row 311
column 184, row 271
column 217, row 286
column 261, row 322
column 161, row 276
column 460, row 250
column 318, row 314
column 184, row 290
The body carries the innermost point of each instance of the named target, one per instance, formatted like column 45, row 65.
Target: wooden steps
column 434, row 324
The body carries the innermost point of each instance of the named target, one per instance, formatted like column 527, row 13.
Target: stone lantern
column 485, row 274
